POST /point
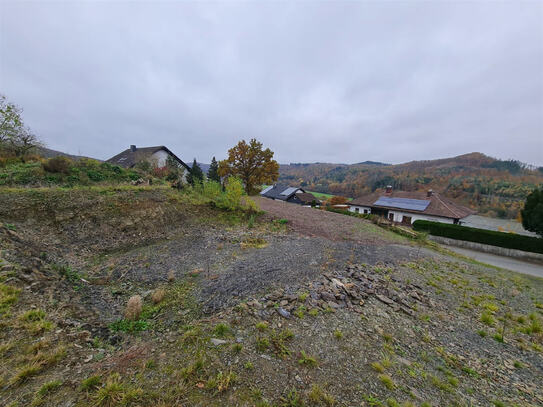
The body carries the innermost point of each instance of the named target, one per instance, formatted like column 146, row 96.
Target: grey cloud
column 326, row 81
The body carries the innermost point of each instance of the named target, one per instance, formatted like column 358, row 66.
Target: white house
column 157, row 156
column 407, row 207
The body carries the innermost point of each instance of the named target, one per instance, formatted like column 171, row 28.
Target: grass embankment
column 67, row 173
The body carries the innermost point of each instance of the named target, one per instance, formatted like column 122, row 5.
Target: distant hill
column 48, row 153
column 491, row 186
column 371, row 163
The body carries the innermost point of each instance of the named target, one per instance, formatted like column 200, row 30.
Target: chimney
column 429, row 193
column 389, row 189
column 132, row 147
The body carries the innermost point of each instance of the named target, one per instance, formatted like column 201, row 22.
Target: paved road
column 508, row 263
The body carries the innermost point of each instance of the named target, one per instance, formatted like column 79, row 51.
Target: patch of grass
column 378, row 367
column 487, row 318
column 222, row 381
column 303, row 296
column 35, row 322
column 279, row 339
column 498, row 337
column 387, row 381
column 237, row 347
column 262, row 326
column 307, row 360
column 518, row 364
column 194, row 369
column 533, row 326
column 8, row 296
column 126, row 325
column 489, row 306
column 338, row 334
column 292, row 399
column 482, row 333
column 112, row 393
column 221, row 330
column 5, row 348
column 313, row 312
column 49, row 387
column 300, row 312
column 262, row 344
column 441, row 385
column 254, row 242
column 44, row 391
column 471, row 372
column 318, row 396
column 249, row 366
column 25, row 373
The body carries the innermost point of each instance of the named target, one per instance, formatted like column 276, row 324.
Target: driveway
column 508, row 263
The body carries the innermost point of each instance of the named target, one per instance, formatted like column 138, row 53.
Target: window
column 357, row 210
column 406, row 220
column 391, row 217
column 365, row 211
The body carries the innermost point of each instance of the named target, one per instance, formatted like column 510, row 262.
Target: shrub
column 212, row 190
column 58, row 164
column 133, row 308
column 501, row 239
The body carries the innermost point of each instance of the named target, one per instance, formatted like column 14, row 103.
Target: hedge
column 490, row 237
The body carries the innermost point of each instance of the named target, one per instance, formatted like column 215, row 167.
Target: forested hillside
column 493, row 187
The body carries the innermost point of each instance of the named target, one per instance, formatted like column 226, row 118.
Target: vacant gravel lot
column 330, row 225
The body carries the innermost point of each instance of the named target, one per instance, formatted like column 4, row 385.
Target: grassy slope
column 82, row 172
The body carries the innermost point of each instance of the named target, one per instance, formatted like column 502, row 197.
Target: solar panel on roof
column 403, row 203
column 266, row 190
column 288, row 191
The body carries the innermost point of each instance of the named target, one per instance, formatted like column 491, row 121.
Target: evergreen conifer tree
column 213, row 172
column 195, row 174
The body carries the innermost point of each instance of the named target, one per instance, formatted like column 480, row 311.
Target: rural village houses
column 407, row 207
column 285, row 193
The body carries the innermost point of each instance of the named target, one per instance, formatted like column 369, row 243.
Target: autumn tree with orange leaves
column 250, row 163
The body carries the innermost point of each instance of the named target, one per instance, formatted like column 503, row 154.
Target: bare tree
column 15, row 137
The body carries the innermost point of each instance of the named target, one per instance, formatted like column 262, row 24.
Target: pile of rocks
column 348, row 288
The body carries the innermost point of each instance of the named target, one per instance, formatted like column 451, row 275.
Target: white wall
column 361, row 209
column 398, row 217
column 159, row 158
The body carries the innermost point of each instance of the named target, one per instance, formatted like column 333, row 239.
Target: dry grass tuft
column 133, row 308
column 171, row 276
column 158, row 295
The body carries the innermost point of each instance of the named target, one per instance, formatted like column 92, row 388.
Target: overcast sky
column 314, row 81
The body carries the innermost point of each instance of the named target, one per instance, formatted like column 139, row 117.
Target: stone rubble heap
column 348, row 288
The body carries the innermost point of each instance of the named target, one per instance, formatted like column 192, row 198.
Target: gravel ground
column 469, row 335
column 330, row 225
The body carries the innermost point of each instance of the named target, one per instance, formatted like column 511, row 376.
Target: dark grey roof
column 128, row 158
column 402, row 203
column 307, row 198
column 276, row 192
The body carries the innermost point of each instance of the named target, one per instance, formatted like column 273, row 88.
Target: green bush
column 490, row 237
column 231, row 199
column 212, row 190
column 58, row 164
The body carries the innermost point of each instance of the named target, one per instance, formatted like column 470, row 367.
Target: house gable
column 159, row 154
